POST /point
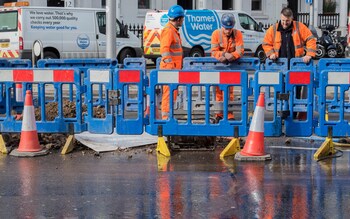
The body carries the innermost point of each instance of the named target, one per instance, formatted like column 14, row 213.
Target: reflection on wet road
column 136, row 184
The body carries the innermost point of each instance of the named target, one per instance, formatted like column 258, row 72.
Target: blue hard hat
column 176, row 11
column 228, row 20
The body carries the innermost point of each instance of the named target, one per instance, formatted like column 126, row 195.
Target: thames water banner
column 198, row 27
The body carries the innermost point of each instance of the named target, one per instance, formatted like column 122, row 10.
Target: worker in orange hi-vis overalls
column 171, row 51
column 226, row 46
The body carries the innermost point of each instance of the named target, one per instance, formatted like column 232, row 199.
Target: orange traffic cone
column 29, row 143
column 254, row 145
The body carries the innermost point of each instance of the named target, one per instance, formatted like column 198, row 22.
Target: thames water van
column 64, row 33
column 197, row 29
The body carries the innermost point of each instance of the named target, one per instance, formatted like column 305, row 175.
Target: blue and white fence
column 320, row 93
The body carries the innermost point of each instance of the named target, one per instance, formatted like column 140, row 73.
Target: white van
column 64, row 32
column 197, row 29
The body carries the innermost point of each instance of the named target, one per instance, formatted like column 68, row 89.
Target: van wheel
column 50, row 55
column 260, row 53
column 125, row 53
column 196, row 52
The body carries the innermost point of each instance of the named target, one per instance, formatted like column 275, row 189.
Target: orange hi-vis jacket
column 221, row 44
column 301, row 35
column 171, row 52
column 170, row 48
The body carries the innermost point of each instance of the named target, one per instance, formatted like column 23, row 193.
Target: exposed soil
column 53, row 141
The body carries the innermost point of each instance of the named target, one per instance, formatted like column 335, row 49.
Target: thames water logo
column 164, row 20
column 198, row 27
column 83, row 41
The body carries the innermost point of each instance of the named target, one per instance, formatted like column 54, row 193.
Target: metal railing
column 304, row 18
column 332, row 18
column 136, row 29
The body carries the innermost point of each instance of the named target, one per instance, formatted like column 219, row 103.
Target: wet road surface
column 191, row 184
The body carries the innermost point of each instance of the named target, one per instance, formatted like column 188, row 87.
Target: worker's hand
column 222, row 59
column 273, row 56
column 306, row 59
column 229, row 57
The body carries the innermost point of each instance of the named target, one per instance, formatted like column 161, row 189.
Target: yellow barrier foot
column 162, row 147
column 231, row 149
column 326, row 149
column 69, row 145
column 162, row 162
column 3, row 148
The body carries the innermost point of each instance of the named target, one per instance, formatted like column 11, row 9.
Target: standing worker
column 171, row 51
column 226, row 46
column 288, row 39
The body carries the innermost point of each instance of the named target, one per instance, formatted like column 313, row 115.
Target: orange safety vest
column 220, row 44
column 301, row 35
column 170, row 48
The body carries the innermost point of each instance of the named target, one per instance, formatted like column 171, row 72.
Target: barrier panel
column 133, row 63
column 300, row 120
column 99, row 78
column 122, row 94
column 272, row 83
column 209, row 63
column 333, row 97
column 82, row 64
column 129, row 123
column 188, row 122
column 280, row 64
column 44, row 82
column 15, row 63
column 17, row 99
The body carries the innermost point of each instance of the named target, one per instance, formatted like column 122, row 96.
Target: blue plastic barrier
column 293, row 125
column 122, row 80
column 209, row 63
column 43, row 77
column 14, row 63
column 19, row 63
column 101, row 78
column 280, row 64
column 82, row 64
column 186, row 125
column 334, row 109
column 299, row 64
column 270, row 79
column 337, row 64
column 133, row 63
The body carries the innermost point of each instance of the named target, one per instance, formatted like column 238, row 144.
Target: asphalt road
column 191, row 184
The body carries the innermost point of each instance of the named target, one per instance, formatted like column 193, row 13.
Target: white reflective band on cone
column 28, row 123
column 257, row 124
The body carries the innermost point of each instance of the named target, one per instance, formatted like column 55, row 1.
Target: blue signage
column 83, row 41
column 198, row 27
column 308, row 1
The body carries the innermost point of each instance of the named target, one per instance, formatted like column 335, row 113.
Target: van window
column 8, row 21
column 248, row 23
column 101, row 21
